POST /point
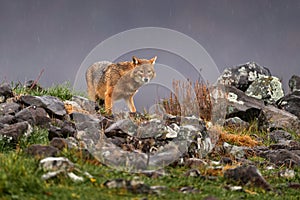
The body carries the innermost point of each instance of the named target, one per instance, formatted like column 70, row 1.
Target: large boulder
column 272, row 118
column 242, row 76
column 267, row 88
column 249, row 108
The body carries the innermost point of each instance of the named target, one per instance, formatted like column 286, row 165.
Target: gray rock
column 195, row 163
column 272, row 118
column 5, row 92
column 243, row 75
column 236, row 122
column 7, row 119
column 67, row 129
column 122, row 126
column 86, row 104
column 291, row 103
column 34, row 115
column 247, row 174
column 286, row 144
column 277, row 135
column 9, row 108
column 134, row 186
column 152, row 129
column 267, row 88
column 236, row 151
column 59, row 143
column 280, row 157
column 294, row 83
column 189, row 190
column 240, row 105
column 15, row 131
column 41, row 151
column 52, row 104
column 80, row 117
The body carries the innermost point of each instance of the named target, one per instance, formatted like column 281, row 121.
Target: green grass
column 62, row 91
column 20, row 178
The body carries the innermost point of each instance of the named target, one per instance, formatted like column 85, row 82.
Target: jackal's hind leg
column 108, row 100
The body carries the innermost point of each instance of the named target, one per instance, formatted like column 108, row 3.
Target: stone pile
column 136, row 142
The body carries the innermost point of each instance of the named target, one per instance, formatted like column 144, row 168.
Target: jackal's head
column 144, row 70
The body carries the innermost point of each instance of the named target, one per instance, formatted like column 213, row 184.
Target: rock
column 134, row 186
column 41, row 151
column 122, row 126
column 267, row 88
column 33, row 115
column 192, row 173
column 287, row 173
column 195, row 162
column 247, row 174
column 226, row 161
column 88, row 129
column 236, row 151
column 294, row 186
column 272, row 118
column 81, row 117
column 152, row 129
column 86, row 104
column 236, row 123
column 61, row 165
column 52, row 104
column 188, row 189
column 280, row 157
column 153, row 173
column 286, row 144
column 72, row 106
column 7, row 119
column 294, row 83
column 277, row 135
column 66, row 129
column 9, row 108
column 240, row 105
column 5, row 92
column 291, row 103
column 59, row 143
column 243, row 75
column 16, row 130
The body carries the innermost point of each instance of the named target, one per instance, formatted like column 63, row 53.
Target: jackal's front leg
column 130, row 104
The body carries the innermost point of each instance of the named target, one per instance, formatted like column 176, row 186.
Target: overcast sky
column 57, row 35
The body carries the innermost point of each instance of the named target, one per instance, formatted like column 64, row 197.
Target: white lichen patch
column 252, row 75
column 243, row 71
column 232, row 97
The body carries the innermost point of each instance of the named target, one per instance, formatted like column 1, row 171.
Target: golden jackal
column 102, row 80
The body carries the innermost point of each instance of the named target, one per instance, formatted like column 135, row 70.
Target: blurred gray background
column 57, row 35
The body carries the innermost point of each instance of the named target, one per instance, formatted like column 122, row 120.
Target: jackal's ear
column 135, row 60
column 152, row 60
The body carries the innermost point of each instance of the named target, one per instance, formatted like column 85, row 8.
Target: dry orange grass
column 189, row 99
column 240, row 140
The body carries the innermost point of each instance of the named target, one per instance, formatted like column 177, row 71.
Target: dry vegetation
column 189, row 99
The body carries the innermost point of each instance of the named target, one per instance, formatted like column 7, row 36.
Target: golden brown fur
column 102, row 77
